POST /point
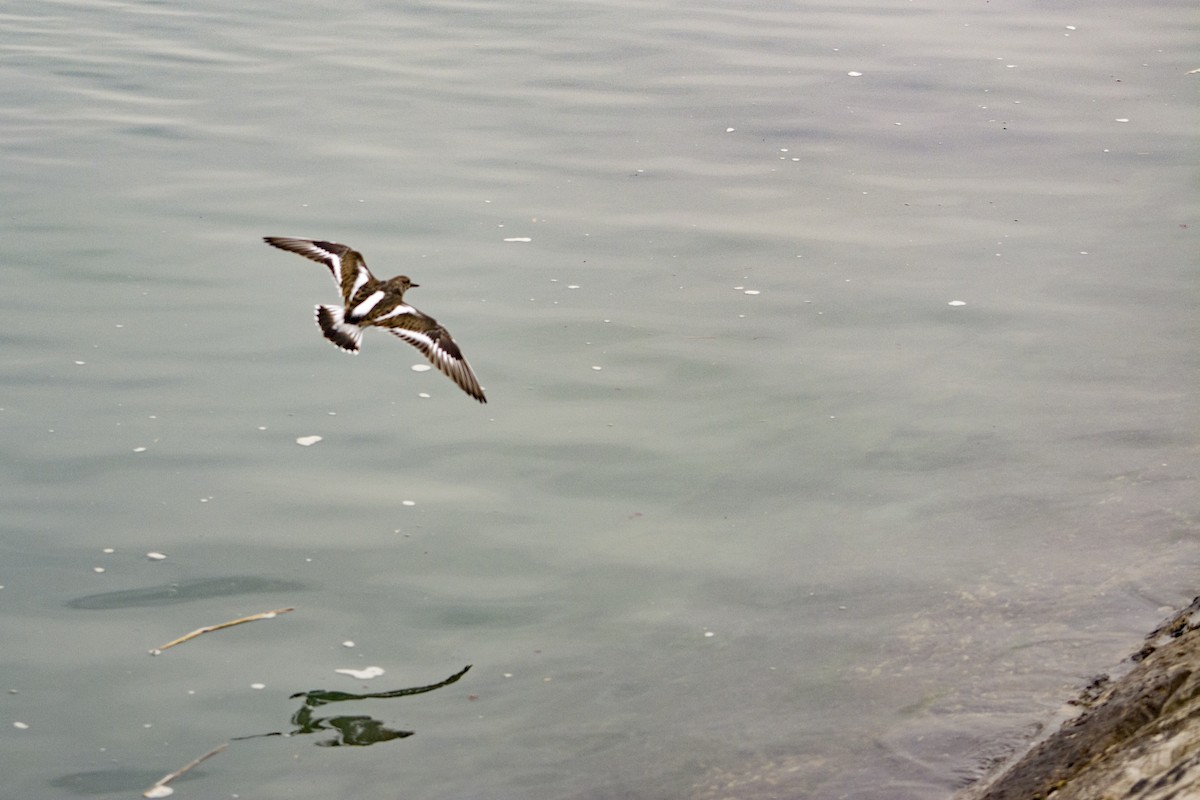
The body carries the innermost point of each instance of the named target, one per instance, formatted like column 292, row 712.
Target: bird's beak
column 413, row 285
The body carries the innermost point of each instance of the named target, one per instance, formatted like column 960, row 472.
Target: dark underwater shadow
column 185, row 592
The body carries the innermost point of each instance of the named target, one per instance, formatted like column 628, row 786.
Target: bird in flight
column 368, row 302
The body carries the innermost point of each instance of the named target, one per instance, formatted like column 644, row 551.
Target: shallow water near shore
column 840, row 365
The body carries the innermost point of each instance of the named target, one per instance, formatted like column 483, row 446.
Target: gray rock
column 1136, row 738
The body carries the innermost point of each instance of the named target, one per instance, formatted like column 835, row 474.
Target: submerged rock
column 1137, row 737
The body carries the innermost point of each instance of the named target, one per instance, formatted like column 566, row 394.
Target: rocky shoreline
column 1135, row 738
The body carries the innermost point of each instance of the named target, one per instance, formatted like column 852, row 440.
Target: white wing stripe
column 364, row 308
column 332, row 259
column 359, row 280
column 414, row 337
column 398, row 311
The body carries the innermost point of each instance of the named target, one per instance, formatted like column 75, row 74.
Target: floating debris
column 211, row 628
column 161, row 789
column 308, row 441
column 361, row 674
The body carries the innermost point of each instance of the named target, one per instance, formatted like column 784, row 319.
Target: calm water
column 842, row 400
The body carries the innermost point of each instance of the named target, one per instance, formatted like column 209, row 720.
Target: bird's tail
column 332, row 322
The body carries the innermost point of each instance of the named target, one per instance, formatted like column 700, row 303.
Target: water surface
column 841, row 405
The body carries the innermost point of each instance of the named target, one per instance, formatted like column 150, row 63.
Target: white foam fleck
column 408, row 502
column 97, row 570
column 157, row 791
column 139, row 449
column 154, row 555
column 597, row 368
column 80, row 363
column 957, row 303
column 854, row 74
column 258, row 686
column 308, row 441
column 23, row 726
column 421, row 368
column 361, row 674
column 424, row 395
column 519, row 239
column 347, row 643
column 751, row 291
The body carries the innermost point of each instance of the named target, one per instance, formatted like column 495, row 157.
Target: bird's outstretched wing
column 424, row 333
column 347, row 266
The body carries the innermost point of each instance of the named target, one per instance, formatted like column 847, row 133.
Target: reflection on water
column 354, row 731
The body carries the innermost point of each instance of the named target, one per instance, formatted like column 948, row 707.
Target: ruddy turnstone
column 369, row 302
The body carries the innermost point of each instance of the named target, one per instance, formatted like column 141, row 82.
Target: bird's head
column 401, row 283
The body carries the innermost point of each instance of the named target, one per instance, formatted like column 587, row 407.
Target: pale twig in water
column 230, row 624
column 160, row 788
